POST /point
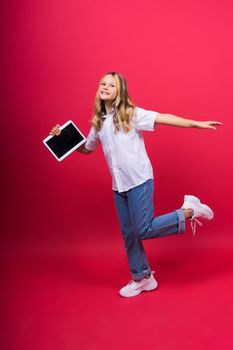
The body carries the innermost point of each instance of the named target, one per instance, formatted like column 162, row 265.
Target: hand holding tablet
column 56, row 130
column 63, row 140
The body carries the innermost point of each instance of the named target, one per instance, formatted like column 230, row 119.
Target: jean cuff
column 181, row 218
column 140, row 276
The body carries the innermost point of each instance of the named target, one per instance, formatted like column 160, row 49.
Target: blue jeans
column 136, row 215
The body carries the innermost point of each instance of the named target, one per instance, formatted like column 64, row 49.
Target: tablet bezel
column 72, row 149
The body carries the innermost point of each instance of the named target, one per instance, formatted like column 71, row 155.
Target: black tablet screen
column 63, row 143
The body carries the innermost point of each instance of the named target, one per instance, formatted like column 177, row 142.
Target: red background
column 177, row 58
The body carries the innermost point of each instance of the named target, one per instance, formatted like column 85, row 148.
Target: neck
column 108, row 106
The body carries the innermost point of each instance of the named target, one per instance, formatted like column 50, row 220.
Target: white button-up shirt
column 125, row 152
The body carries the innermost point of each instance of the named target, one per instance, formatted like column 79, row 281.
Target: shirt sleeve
column 92, row 140
column 144, row 120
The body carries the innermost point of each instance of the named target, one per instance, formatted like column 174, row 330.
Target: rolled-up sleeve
column 92, row 140
column 145, row 120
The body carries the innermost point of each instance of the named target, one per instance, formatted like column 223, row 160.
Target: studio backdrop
column 176, row 57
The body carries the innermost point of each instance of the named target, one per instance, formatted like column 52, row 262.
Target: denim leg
column 140, row 201
column 137, row 260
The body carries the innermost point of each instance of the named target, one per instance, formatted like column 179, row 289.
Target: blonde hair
column 123, row 107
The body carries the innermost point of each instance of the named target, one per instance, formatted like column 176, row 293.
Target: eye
column 112, row 85
column 102, row 84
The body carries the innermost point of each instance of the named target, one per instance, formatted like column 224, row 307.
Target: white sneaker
column 199, row 211
column 134, row 288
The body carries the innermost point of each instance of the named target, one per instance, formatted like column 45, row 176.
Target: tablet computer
column 68, row 141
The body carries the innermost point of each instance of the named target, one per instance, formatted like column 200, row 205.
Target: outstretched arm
column 173, row 120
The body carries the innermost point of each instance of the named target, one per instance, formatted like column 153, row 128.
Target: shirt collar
column 108, row 114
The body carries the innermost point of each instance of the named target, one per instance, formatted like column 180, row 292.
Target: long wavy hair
column 123, row 107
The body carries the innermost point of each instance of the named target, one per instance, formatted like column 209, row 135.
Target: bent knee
column 143, row 232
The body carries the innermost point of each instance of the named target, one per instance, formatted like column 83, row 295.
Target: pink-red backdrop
column 176, row 57
column 62, row 253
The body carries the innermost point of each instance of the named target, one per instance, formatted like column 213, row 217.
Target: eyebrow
column 104, row 81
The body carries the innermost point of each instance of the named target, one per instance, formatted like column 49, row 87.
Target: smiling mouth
column 105, row 93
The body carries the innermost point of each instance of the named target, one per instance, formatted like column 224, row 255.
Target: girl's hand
column 55, row 130
column 208, row 125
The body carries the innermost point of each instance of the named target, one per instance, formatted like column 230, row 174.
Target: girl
column 118, row 124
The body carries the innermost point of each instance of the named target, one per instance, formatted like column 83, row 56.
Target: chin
column 106, row 99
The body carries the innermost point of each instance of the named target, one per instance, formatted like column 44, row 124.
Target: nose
column 106, row 90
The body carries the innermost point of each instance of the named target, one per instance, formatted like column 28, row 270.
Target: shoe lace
column 194, row 223
column 132, row 282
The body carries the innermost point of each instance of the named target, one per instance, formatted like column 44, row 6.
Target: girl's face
column 108, row 89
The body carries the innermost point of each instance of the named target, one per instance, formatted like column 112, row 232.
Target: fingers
column 55, row 130
column 213, row 124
